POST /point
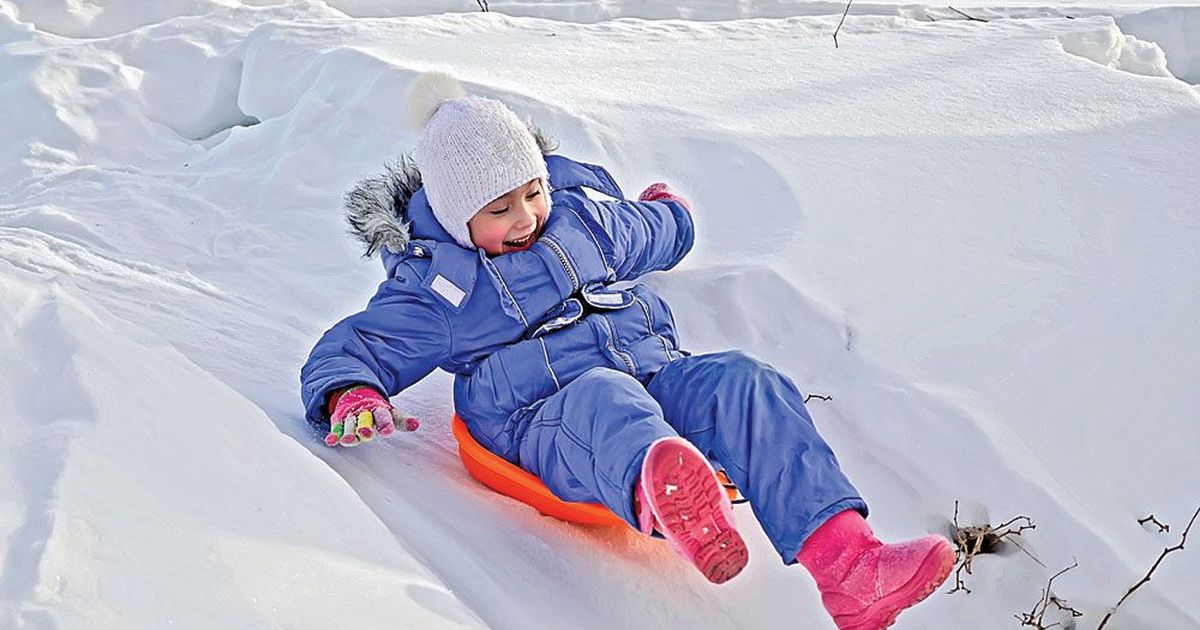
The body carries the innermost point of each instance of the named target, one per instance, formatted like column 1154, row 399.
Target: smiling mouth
column 527, row 240
column 519, row 243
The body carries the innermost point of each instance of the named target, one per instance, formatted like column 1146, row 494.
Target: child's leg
column 752, row 420
column 864, row 583
column 588, row 440
column 603, row 438
column 681, row 498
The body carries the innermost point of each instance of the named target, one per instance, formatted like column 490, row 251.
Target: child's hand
column 658, row 192
column 359, row 413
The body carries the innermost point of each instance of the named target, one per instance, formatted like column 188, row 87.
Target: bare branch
column 1146, row 578
column 959, row 585
column 977, row 539
column 1036, row 617
column 818, row 396
column 1150, row 519
column 483, row 5
column 969, row 17
column 960, row 545
column 1028, row 524
column 835, row 34
column 1061, row 604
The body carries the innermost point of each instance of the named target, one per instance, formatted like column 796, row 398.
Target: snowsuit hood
column 390, row 209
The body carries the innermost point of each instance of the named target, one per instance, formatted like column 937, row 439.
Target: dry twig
column 483, row 5
column 839, row 26
column 1150, row 519
column 1036, row 617
column 818, row 396
column 1146, row 578
column 969, row 17
column 977, row 539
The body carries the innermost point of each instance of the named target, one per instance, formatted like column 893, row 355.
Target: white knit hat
column 471, row 151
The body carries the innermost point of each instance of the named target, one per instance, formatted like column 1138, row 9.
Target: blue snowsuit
column 562, row 368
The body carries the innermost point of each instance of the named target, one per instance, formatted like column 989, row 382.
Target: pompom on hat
column 471, row 150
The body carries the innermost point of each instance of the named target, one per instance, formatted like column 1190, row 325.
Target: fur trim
column 427, row 94
column 377, row 207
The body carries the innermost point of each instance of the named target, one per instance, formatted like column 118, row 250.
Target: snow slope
column 978, row 238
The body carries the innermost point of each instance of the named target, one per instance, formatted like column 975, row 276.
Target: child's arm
column 651, row 234
column 399, row 338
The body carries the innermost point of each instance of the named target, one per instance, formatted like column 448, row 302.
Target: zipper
column 611, row 343
column 566, row 262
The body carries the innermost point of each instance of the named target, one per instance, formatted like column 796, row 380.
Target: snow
column 1176, row 30
column 978, row 238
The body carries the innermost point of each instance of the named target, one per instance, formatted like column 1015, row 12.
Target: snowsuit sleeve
column 647, row 235
column 398, row 339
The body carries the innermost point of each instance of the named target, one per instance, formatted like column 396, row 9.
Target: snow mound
column 719, row 10
column 188, row 86
column 140, row 464
column 1176, row 30
column 592, row 12
column 102, row 18
column 1110, row 47
column 981, row 249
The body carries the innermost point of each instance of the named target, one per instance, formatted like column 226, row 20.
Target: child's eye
column 532, row 195
column 498, row 211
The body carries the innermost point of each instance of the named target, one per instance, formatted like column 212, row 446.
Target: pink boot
column 679, row 495
column 864, row 583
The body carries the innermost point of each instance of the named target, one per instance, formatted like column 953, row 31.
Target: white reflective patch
column 606, row 299
column 446, row 289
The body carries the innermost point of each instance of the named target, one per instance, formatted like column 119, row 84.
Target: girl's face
column 512, row 221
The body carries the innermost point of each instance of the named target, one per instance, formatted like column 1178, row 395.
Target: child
column 501, row 270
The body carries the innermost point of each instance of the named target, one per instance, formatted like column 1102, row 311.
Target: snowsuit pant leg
column 587, row 441
column 751, row 419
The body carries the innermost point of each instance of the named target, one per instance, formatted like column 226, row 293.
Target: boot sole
column 693, row 510
column 934, row 570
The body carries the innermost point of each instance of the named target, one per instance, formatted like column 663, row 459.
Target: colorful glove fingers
column 658, row 192
column 361, row 412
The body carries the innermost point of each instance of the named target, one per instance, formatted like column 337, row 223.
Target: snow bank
column 1176, row 30
column 188, row 86
column 1110, row 47
column 720, row 10
column 105, row 18
column 979, row 244
column 138, row 491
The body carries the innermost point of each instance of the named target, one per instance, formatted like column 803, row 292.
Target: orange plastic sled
column 510, row 480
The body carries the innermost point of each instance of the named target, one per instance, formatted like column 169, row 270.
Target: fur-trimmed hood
column 377, row 207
